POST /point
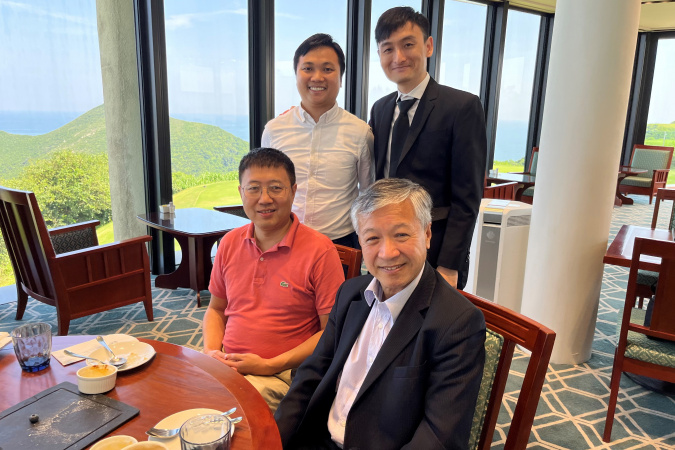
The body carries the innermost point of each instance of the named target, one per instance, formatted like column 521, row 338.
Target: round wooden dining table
column 176, row 379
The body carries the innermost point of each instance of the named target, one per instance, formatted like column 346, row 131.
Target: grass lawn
column 509, row 166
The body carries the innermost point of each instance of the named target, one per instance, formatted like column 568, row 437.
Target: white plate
column 137, row 353
column 177, row 420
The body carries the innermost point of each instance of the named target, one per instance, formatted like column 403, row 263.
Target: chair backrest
column 662, row 324
column 237, row 210
column 27, row 240
column 650, row 157
column 511, row 328
column 351, row 258
column 661, row 195
column 534, row 158
column 504, row 191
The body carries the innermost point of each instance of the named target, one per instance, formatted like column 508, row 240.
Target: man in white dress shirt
column 330, row 148
column 400, row 361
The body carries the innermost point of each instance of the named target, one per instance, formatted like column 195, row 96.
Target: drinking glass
column 33, row 345
column 207, row 432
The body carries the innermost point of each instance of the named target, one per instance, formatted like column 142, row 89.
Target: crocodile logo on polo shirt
column 284, row 284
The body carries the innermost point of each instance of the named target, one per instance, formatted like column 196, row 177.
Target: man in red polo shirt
column 273, row 282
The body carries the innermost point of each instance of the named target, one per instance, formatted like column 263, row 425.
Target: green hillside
column 195, row 147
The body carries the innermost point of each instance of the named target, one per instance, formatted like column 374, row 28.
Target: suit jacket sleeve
column 451, row 396
column 469, row 153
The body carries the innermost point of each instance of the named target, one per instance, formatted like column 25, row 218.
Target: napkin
column 86, row 348
column 4, row 338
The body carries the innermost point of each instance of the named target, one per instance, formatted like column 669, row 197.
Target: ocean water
column 32, row 123
column 511, row 140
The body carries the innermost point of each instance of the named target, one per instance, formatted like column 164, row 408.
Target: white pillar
column 587, row 91
column 117, row 43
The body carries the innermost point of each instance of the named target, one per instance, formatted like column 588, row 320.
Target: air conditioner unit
column 502, row 230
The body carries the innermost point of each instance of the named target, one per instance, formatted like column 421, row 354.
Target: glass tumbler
column 33, row 345
column 207, row 432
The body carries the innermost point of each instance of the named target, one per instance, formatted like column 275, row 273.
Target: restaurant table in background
column 525, row 181
column 196, row 230
column 176, row 379
column 625, row 171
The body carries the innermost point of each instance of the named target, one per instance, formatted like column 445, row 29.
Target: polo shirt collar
column 327, row 117
column 417, row 92
column 287, row 240
column 396, row 302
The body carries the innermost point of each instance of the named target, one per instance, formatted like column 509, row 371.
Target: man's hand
column 250, row 364
column 449, row 275
column 216, row 354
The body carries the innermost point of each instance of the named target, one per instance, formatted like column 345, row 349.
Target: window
column 661, row 118
column 52, row 123
column 463, row 42
column 515, row 94
column 378, row 83
column 295, row 21
column 207, row 75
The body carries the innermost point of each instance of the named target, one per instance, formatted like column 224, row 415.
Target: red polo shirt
column 274, row 298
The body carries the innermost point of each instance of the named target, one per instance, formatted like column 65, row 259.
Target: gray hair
column 391, row 191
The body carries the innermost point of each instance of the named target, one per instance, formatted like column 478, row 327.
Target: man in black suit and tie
column 400, row 361
column 431, row 134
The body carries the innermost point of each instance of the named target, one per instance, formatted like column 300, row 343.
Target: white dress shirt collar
column 417, row 92
column 396, row 302
column 327, row 117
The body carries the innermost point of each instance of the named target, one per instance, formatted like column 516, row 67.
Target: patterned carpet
column 571, row 413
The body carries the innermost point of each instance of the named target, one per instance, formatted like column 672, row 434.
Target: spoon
column 114, row 360
column 69, row 353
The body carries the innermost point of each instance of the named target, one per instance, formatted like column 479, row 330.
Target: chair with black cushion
column 350, row 258
column 505, row 330
column 237, row 210
column 527, row 195
column 647, row 279
column 656, row 160
column 646, row 348
column 66, row 268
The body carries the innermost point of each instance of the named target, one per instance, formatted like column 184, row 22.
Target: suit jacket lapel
column 383, row 135
column 424, row 108
column 404, row 330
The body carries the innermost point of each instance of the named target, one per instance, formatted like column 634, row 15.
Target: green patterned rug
column 571, row 413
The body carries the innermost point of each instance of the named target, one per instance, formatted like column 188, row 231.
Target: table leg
column 199, row 254
column 620, row 198
column 181, row 276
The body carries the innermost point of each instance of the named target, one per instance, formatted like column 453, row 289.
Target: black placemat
column 67, row 420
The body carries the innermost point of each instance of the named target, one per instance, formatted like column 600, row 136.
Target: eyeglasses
column 255, row 191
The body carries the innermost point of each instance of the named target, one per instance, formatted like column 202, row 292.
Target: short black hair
column 267, row 157
column 316, row 41
column 395, row 18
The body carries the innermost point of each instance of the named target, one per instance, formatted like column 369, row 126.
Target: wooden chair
column 351, row 258
column 505, row 330
column 635, row 352
column 503, row 191
column 54, row 267
column 237, row 210
column 528, row 194
column 657, row 161
column 646, row 278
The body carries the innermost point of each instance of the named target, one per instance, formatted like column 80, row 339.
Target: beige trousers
column 272, row 388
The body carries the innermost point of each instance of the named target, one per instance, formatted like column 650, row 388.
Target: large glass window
column 515, row 94
column 207, row 65
column 661, row 118
column 463, row 42
column 378, row 83
column 295, row 21
column 52, row 124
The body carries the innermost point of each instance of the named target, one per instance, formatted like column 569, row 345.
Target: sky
column 49, row 57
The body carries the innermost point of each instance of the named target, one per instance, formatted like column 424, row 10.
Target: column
column 117, row 42
column 584, row 116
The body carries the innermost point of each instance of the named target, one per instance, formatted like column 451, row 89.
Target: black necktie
column 399, row 134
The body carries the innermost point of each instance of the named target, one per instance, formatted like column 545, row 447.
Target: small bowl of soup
column 96, row 379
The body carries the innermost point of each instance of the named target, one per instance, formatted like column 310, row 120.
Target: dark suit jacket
column 421, row 390
column 445, row 152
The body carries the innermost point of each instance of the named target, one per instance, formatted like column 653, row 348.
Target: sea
column 33, row 123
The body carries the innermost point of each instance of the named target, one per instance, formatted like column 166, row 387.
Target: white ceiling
column 656, row 15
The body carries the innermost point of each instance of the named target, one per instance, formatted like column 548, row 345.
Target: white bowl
column 147, row 445
column 114, row 443
column 96, row 379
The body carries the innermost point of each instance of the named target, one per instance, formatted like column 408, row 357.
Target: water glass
column 33, row 345
column 207, row 432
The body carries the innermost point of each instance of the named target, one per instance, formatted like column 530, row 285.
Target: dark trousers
column 437, row 234
column 351, row 240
